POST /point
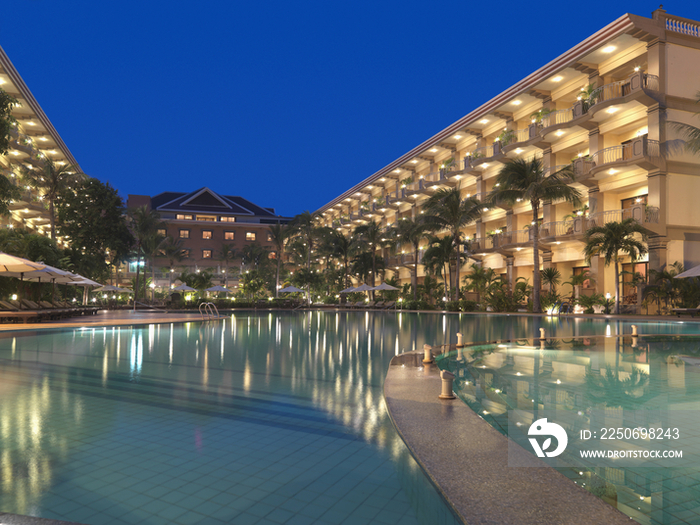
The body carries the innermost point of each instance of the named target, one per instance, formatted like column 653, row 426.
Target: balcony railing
column 556, row 118
column 682, row 26
column 637, row 149
column 623, row 88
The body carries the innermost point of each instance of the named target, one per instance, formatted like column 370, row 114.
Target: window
column 634, row 201
column 162, row 232
column 269, row 237
column 206, row 254
column 184, row 234
column 206, row 218
column 227, row 219
column 272, row 255
column 132, row 266
column 635, row 274
column 206, row 234
column 579, row 271
column 229, row 236
column 185, row 253
column 249, row 236
column 181, row 217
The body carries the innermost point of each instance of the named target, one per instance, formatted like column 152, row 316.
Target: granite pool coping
column 467, row 459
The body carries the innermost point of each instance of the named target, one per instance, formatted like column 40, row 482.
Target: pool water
column 262, row 418
column 592, row 383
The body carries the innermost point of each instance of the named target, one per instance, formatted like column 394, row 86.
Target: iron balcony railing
column 556, row 118
column 623, row 88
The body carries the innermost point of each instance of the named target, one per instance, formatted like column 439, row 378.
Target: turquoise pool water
column 262, row 418
column 596, row 384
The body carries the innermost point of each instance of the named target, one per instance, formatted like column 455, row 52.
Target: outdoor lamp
column 14, row 296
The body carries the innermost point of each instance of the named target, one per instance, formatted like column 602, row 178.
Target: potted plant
column 506, row 137
column 536, row 121
column 586, row 99
column 405, row 182
column 446, row 166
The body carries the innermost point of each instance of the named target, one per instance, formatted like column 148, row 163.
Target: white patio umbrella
column 290, row 289
column 348, row 290
column 693, row 272
column 84, row 282
column 184, row 288
column 11, row 263
column 107, row 288
column 385, row 286
column 363, row 288
column 218, row 288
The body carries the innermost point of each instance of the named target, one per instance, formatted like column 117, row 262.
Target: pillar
column 657, row 252
column 510, row 272
column 595, row 201
column 595, row 141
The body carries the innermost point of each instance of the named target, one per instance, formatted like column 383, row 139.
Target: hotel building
column 202, row 221
column 602, row 106
column 33, row 138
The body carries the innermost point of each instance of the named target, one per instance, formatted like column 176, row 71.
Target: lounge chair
column 379, row 305
column 389, row 305
column 690, row 311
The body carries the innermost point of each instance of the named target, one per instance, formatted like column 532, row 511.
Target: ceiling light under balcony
column 558, row 78
column 612, row 110
column 517, row 102
column 559, row 133
column 397, row 170
column 608, row 49
column 458, row 137
column 29, row 122
column 519, row 151
column 483, row 121
column 612, row 171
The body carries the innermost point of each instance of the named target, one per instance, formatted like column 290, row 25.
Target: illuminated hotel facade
column 603, row 106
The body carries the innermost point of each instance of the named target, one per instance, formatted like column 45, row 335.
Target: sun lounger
column 389, row 304
column 690, row 311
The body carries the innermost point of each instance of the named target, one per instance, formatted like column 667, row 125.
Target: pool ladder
column 208, row 309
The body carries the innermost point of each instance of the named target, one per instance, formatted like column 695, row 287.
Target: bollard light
column 542, row 333
column 427, row 354
column 634, row 329
column 447, row 378
column 459, row 340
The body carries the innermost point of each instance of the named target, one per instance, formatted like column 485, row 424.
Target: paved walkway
column 467, row 459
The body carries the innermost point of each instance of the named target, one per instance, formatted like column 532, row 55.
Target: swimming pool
column 262, row 418
column 612, row 395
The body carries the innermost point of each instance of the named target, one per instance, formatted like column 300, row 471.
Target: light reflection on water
column 332, row 362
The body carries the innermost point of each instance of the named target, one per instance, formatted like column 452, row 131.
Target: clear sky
column 287, row 104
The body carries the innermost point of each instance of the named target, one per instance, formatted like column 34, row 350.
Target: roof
column 205, row 200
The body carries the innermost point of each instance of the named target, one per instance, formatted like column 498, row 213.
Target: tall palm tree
column 254, row 255
column 151, row 249
column 144, row 224
column 279, row 233
column 228, row 254
column 610, row 239
column 51, row 179
column 172, row 250
column 410, row 232
column 438, row 256
column 369, row 236
column 551, row 277
column 343, row 247
column 521, row 179
column 303, row 226
column 446, row 211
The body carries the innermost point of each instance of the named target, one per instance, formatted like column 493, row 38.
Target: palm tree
column 437, row 256
column 278, row 234
column 610, row 239
column 227, row 254
column 144, row 224
column 151, row 248
column 526, row 180
column 410, row 232
column 304, row 228
column 255, row 256
column 51, row 179
column 369, row 236
column 446, row 210
column 343, row 247
column 172, row 250
column 551, row 277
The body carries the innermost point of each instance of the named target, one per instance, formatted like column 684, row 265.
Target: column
column 657, row 252
column 656, row 181
column 595, row 141
column 595, row 202
column 510, row 272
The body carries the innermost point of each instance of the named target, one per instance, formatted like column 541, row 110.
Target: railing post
column 542, row 336
column 447, row 379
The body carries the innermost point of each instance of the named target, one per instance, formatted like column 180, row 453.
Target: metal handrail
column 209, row 309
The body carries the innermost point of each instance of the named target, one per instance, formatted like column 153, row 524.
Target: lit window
column 206, row 234
column 185, row 253
column 229, row 236
column 206, row 218
column 181, row 217
column 249, row 236
column 206, row 254
column 184, row 234
column 269, row 237
column 227, row 219
column 162, row 232
column 272, row 255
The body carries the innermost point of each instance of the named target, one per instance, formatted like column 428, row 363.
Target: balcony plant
column 405, row 182
column 506, row 137
column 538, row 115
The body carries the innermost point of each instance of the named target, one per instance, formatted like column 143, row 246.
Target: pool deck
column 467, row 459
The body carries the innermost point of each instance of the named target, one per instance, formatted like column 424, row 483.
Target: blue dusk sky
column 287, row 104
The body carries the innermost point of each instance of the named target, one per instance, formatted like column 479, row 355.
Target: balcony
column 641, row 151
column 561, row 231
column 403, row 259
column 637, row 84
